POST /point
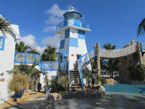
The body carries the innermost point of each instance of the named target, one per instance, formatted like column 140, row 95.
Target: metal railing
column 30, row 58
column 63, row 24
column 82, row 60
column 27, row 58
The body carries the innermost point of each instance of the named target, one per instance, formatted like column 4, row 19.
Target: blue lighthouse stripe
column 81, row 34
column 62, row 44
column 73, row 42
column 67, row 33
column 77, row 23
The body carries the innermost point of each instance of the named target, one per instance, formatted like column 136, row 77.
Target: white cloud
column 30, row 41
column 52, row 40
column 53, row 20
column 55, row 17
column 50, row 29
column 56, row 11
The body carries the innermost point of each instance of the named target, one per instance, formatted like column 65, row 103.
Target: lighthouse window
column 2, row 40
column 78, row 56
column 67, row 31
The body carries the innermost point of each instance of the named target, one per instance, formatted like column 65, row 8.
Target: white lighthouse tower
column 72, row 32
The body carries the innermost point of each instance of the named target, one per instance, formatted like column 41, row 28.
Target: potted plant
column 47, row 86
column 18, row 83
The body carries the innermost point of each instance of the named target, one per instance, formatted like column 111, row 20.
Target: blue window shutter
column 62, row 44
column 73, row 42
column 67, row 33
column 81, row 34
column 2, row 42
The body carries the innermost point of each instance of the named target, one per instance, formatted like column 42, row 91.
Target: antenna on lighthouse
column 72, row 8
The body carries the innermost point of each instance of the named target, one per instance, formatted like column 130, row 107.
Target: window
column 78, row 56
column 2, row 42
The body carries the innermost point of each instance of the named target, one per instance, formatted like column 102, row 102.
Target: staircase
column 75, row 80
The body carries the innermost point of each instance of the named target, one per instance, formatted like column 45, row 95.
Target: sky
column 113, row 21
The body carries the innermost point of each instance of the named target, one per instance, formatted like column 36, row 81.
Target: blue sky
column 113, row 21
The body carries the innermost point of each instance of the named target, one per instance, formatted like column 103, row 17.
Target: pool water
column 130, row 88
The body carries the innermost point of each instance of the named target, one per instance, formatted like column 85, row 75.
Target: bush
column 18, row 82
column 56, row 86
column 137, row 72
column 65, row 82
column 103, row 81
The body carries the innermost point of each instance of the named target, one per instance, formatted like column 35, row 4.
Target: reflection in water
column 110, row 101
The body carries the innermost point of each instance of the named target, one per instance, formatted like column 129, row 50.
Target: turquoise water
column 130, row 88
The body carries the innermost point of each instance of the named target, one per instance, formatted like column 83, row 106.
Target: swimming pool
column 130, row 88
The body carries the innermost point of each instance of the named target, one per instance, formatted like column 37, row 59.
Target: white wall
column 49, row 76
column 7, row 61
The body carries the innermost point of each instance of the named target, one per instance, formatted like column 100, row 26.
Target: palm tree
column 21, row 47
column 110, row 64
column 108, row 46
column 49, row 54
column 33, row 51
column 4, row 23
column 141, row 27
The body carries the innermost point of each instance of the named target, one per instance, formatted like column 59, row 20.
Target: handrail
column 87, row 57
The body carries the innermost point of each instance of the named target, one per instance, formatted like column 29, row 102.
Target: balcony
column 75, row 23
column 30, row 58
column 27, row 58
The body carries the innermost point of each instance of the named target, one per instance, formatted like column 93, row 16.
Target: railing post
column 97, row 54
column 139, row 52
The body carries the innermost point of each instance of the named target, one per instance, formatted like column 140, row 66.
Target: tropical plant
column 110, row 64
column 137, row 72
column 141, row 27
column 18, row 82
column 49, row 54
column 47, row 82
column 88, row 74
column 26, row 69
column 56, row 86
column 21, row 47
column 4, row 25
column 30, row 71
column 33, row 51
column 64, row 81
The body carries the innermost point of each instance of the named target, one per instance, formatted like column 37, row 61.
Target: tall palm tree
column 21, row 47
column 141, row 27
column 49, row 54
column 4, row 23
column 110, row 64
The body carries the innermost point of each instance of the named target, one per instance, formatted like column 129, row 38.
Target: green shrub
column 56, row 86
column 103, row 81
column 137, row 72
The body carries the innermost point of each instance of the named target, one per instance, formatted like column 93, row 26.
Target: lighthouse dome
column 72, row 14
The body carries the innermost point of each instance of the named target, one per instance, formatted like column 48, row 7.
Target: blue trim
column 73, row 42
column 3, row 42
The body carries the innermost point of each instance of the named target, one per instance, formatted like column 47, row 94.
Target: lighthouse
column 73, row 41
